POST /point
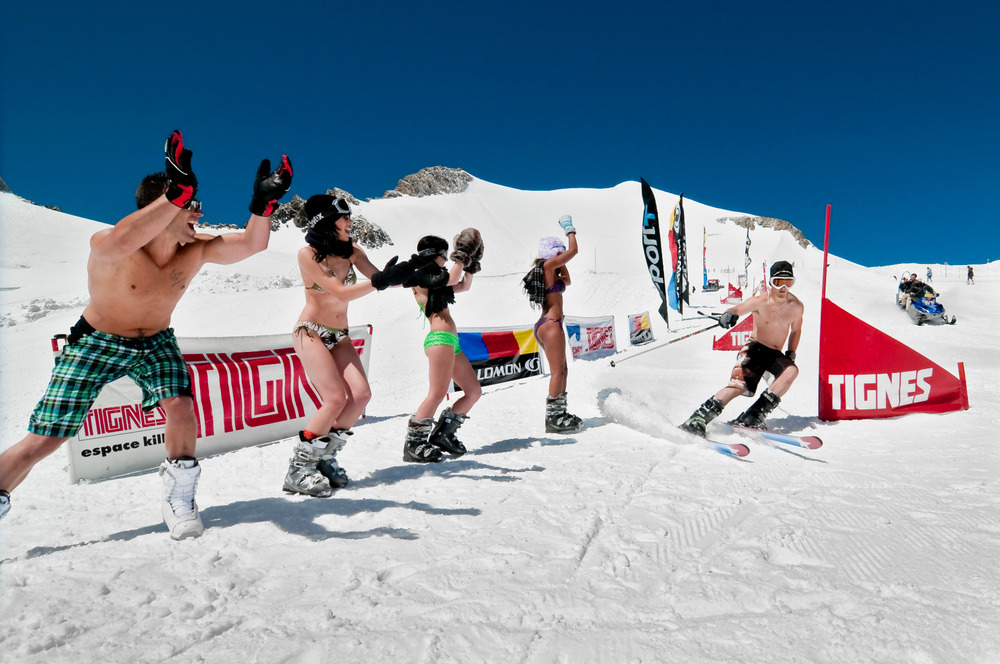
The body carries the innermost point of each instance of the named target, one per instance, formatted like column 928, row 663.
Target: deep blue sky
column 888, row 111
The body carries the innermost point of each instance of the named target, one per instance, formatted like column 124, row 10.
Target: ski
column 808, row 442
column 729, row 449
column 735, row 450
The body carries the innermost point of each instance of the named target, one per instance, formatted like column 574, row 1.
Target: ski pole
column 672, row 341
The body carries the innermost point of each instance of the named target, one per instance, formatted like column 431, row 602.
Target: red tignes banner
column 866, row 374
column 735, row 338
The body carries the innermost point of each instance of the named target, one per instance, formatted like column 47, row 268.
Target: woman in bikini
column 320, row 337
column 545, row 284
column 425, row 439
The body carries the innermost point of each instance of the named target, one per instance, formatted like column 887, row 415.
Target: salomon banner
column 651, row 246
column 591, row 338
column 866, row 374
column 501, row 354
column 639, row 331
column 247, row 391
column 736, row 337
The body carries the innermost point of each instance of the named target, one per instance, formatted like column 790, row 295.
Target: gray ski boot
column 303, row 475
column 700, row 418
column 557, row 420
column 754, row 416
column 4, row 503
column 443, row 435
column 417, row 449
column 327, row 465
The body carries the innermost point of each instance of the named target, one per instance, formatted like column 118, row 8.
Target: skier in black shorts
column 777, row 319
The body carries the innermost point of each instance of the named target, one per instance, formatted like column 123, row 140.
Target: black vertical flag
column 678, row 247
column 651, row 246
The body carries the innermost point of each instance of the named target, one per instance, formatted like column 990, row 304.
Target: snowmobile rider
column 137, row 272
column 777, row 318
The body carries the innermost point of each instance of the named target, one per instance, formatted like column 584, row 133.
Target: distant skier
column 137, row 272
column 971, row 278
column 544, row 285
column 777, row 318
column 930, row 274
column 446, row 362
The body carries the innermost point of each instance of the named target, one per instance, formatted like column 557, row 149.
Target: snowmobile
column 919, row 301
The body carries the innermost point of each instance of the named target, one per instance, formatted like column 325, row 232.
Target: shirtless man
column 777, row 318
column 137, row 271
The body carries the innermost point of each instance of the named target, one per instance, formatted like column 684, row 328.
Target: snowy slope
column 626, row 542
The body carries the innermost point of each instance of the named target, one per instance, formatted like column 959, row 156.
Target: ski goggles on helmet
column 779, row 282
column 338, row 208
column 430, row 252
column 193, row 205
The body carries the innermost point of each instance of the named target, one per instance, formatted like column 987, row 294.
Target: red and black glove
column 269, row 187
column 182, row 185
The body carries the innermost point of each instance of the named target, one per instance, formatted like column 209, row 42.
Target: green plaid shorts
column 155, row 364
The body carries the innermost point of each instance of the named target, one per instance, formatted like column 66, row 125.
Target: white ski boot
column 179, row 509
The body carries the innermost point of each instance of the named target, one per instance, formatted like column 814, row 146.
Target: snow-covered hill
column 623, row 543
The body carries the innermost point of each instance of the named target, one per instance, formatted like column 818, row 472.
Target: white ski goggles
column 778, row 282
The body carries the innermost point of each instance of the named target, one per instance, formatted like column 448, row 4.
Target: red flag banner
column 866, row 374
column 735, row 296
column 736, row 337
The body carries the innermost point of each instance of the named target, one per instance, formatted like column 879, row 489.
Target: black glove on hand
column 466, row 244
column 268, row 188
column 430, row 275
column 392, row 274
column 790, row 354
column 728, row 319
column 182, row 185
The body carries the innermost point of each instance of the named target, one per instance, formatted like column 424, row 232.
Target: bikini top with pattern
column 351, row 278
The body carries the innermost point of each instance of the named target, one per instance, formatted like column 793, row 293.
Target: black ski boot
column 700, row 418
column 303, row 475
column 557, row 420
column 754, row 416
column 327, row 465
column 443, row 435
column 417, row 449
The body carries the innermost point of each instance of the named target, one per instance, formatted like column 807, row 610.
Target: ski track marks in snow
column 806, row 538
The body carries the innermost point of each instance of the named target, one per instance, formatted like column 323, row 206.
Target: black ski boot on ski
column 443, row 435
column 754, row 416
column 417, row 449
column 700, row 418
column 557, row 420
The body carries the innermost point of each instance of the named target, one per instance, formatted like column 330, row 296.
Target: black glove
column 430, row 275
column 790, row 354
column 467, row 244
column 269, row 187
column 728, row 319
column 182, row 185
column 392, row 274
